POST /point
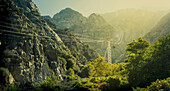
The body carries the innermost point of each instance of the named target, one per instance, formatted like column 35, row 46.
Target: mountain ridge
column 30, row 47
column 161, row 29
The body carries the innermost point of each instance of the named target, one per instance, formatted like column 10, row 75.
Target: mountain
column 67, row 18
column 134, row 22
column 30, row 47
column 92, row 30
column 119, row 27
column 131, row 24
column 82, row 52
column 161, row 29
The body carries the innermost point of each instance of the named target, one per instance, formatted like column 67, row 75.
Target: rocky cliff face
column 30, row 47
column 81, row 51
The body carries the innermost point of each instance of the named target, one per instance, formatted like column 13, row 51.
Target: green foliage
column 159, row 85
column 50, row 84
column 20, row 44
column 111, row 83
column 87, row 71
column 148, row 64
column 100, row 68
column 79, row 86
column 64, row 62
column 70, row 72
column 35, row 13
column 137, row 47
column 13, row 88
column 4, row 74
column 9, row 53
column 72, row 77
column 70, row 63
column 116, row 83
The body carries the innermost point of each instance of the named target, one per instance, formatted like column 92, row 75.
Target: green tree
column 135, row 50
column 4, row 74
column 70, row 72
column 148, row 64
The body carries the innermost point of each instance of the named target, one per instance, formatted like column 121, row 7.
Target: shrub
column 70, row 64
column 116, row 83
column 12, row 88
column 159, row 85
column 85, row 72
column 4, row 74
column 70, row 72
column 78, row 86
column 64, row 62
column 50, row 84
column 9, row 53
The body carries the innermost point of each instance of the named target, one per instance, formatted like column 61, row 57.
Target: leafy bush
column 87, row 71
column 13, row 88
column 64, row 62
column 70, row 72
column 20, row 44
column 98, row 79
column 4, row 74
column 79, row 87
column 159, row 85
column 148, row 63
column 116, row 83
column 50, row 84
column 9, row 53
column 70, row 64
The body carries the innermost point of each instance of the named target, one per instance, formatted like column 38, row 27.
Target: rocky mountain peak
column 67, row 12
column 28, row 6
column 96, row 19
column 68, row 17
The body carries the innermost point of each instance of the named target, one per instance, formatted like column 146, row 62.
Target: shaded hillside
column 134, row 22
column 161, row 29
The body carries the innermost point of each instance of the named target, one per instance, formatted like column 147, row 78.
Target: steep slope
column 30, row 48
column 93, row 30
column 79, row 50
column 82, row 52
column 119, row 27
column 134, row 22
column 131, row 24
column 161, row 29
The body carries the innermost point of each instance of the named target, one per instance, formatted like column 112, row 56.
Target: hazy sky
column 86, row 7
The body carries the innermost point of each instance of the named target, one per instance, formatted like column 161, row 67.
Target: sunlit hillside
column 46, row 46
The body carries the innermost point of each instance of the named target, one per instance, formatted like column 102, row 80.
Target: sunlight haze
column 86, row 7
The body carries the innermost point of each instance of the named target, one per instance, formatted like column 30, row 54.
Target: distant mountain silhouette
column 161, row 29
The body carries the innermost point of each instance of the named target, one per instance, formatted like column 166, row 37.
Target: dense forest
column 40, row 53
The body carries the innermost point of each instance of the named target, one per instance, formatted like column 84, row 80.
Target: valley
column 124, row 50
